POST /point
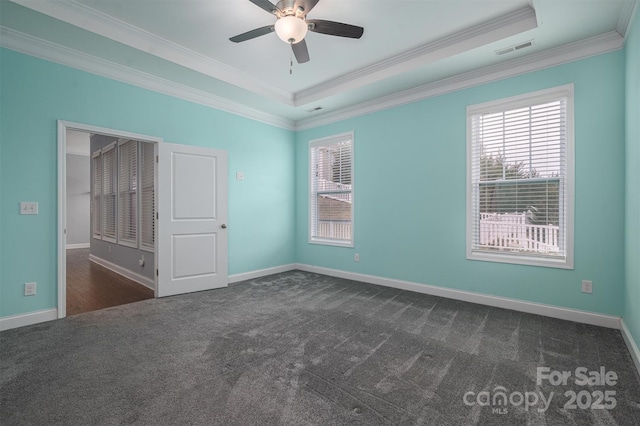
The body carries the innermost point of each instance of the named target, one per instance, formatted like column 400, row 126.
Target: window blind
column 147, row 196
column 331, row 203
column 519, row 170
column 109, row 180
column 96, row 197
column 128, row 193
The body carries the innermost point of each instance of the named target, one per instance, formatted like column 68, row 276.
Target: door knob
column 223, row 226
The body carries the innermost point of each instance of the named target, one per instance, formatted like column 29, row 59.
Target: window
column 123, row 194
column 128, row 193
column 331, row 192
column 520, row 179
column 96, row 198
column 109, row 177
column 147, row 196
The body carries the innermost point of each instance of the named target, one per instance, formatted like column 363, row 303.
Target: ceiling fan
column 292, row 25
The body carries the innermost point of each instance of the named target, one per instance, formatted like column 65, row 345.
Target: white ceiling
column 407, row 44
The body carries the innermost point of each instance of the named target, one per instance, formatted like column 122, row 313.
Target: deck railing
column 334, row 229
column 510, row 231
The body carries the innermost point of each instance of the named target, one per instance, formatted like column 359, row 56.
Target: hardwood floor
column 91, row 287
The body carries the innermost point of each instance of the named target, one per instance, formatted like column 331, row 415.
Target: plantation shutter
column 147, row 196
column 519, row 178
column 128, row 193
column 96, row 195
column 109, row 178
column 331, row 203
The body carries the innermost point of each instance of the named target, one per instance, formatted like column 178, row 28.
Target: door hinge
column 157, row 215
column 157, row 156
column 156, row 272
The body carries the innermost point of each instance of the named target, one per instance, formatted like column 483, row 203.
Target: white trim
column 87, row 18
column 568, row 314
column 479, row 35
column 52, row 52
column 243, row 276
column 631, row 344
column 97, row 22
column 15, row 321
column 78, row 246
column 604, row 43
column 33, row 46
column 627, row 11
column 127, row 273
column 62, row 219
column 81, row 154
column 81, row 127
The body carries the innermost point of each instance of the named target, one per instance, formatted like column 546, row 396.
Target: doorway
column 94, row 265
column 110, row 209
column 188, row 192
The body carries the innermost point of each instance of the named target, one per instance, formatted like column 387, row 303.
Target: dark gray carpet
column 304, row 349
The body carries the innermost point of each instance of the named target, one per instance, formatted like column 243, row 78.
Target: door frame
column 63, row 126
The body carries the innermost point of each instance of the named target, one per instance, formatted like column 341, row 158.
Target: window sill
column 561, row 263
column 331, row 242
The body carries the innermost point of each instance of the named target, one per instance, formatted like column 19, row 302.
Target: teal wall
column 410, row 193
column 632, row 206
column 36, row 93
column 410, row 182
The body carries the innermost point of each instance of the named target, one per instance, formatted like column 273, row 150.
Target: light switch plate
column 28, row 207
column 239, row 176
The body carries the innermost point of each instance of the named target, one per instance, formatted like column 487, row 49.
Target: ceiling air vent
column 515, row 47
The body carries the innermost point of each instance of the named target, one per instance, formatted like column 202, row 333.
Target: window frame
column 96, row 195
column 114, row 184
column 121, row 216
column 329, row 140
column 142, row 190
column 566, row 219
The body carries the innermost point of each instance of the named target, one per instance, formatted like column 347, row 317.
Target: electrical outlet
column 356, row 257
column 29, row 289
column 587, row 286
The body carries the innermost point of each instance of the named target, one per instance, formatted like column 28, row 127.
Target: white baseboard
column 585, row 317
column 133, row 276
column 78, row 246
column 235, row 278
column 631, row 344
column 15, row 321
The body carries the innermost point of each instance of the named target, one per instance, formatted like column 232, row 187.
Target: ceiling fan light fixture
column 291, row 29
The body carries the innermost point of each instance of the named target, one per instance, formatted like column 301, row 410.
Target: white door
column 192, row 208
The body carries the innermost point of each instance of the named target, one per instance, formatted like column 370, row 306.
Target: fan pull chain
column 291, row 59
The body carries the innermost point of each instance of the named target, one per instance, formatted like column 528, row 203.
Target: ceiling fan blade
column 266, row 5
column 306, row 5
column 301, row 52
column 335, row 28
column 252, row 34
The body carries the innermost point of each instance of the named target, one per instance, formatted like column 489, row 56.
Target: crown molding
column 627, row 11
column 33, row 46
column 92, row 20
column 87, row 18
column 479, row 35
column 596, row 45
